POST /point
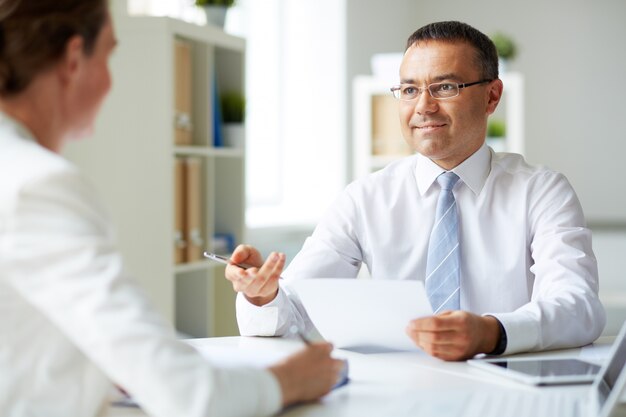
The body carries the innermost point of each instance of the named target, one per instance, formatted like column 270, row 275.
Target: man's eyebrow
column 436, row 79
column 448, row 76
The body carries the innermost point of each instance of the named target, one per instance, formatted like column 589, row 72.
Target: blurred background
column 318, row 112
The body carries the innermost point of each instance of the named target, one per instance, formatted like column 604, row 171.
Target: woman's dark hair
column 486, row 54
column 34, row 35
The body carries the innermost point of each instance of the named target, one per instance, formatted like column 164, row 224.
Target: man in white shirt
column 72, row 322
column 528, row 277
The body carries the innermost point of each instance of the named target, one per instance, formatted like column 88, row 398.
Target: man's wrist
column 261, row 301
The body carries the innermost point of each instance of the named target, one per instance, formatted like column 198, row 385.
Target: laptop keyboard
column 522, row 404
column 551, row 403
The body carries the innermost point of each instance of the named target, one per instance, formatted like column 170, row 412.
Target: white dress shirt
column 72, row 321
column 526, row 255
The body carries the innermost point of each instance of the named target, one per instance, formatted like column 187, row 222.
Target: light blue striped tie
column 442, row 266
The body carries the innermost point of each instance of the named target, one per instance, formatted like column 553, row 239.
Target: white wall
column 610, row 247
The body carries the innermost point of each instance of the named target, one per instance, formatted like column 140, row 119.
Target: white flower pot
column 234, row 135
column 215, row 15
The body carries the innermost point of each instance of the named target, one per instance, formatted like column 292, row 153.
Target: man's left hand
column 455, row 335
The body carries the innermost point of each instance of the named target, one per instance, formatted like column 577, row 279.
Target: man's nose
column 425, row 103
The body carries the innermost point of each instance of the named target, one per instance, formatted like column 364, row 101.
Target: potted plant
column 233, row 109
column 496, row 133
column 215, row 10
column 506, row 48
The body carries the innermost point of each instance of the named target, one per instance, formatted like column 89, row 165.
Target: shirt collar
column 9, row 124
column 473, row 171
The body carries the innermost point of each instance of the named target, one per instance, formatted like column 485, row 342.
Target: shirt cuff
column 259, row 387
column 272, row 399
column 262, row 320
column 521, row 332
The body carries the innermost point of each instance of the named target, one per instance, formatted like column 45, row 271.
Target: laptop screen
column 611, row 372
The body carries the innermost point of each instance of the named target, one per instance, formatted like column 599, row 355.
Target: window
column 296, row 111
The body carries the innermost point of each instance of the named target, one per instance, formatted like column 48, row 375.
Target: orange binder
column 183, row 127
column 179, row 211
column 386, row 133
column 193, row 210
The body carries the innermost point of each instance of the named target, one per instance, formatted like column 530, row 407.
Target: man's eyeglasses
column 438, row 91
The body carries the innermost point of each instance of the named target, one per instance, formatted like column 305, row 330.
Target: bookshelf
column 377, row 136
column 132, row 157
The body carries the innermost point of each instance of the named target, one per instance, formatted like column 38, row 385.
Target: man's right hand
column 308, row 374
column 260, row 283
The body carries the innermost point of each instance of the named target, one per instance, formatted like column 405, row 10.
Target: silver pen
column 224, row 260
column 294, row 330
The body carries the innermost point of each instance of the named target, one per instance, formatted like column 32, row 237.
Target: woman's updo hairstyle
column 34, row 35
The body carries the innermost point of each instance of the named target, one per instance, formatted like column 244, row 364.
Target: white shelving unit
column 366, row 89
column 131, row 162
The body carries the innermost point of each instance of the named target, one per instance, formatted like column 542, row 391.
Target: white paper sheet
column 363, row 314
column 255, row 354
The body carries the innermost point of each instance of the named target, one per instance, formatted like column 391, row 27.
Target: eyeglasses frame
column 395, row 88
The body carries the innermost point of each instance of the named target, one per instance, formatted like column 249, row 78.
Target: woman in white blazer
column 72, row 322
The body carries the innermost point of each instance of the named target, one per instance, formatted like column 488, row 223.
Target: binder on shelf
column 180, row 242
column 183, row 127
column 386, row 133
column 223, row 243
column 193, row 209
column 218, row 134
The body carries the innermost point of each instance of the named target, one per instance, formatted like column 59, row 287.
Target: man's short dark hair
column 452, row 31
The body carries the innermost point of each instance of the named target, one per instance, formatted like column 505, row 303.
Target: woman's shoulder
column 25, row 163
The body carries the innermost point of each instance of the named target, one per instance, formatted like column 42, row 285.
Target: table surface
column 386, row 383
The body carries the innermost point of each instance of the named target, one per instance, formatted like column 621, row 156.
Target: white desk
column 383, row 384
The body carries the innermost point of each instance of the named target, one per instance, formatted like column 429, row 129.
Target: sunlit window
column 296, row 115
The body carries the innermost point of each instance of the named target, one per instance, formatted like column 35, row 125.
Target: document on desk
column 237, row 356
column 253, row 352
column 364, row 315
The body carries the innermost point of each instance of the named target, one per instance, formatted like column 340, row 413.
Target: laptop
column 601, row 400
column 608, row 386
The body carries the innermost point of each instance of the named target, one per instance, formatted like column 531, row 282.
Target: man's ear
column 494, row 92
column 71, row 63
